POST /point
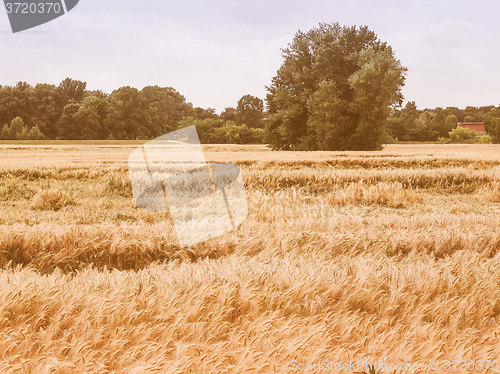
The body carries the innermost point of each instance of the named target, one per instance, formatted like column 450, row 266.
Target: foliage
column 73, row 90
column 170, row 107
column 216, row 131
column 334, row 90
column 130, row 115
column 228, row 114
column 462, row 135
column 232, row 133
column 485, row 139
column 71, row 111
column 207, row 128
column 431, row 124
column 495, row 127
column 67, row 126
column 17, row 130
column 250, row 112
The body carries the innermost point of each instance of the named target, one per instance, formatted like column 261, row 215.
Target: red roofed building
column 478, row 127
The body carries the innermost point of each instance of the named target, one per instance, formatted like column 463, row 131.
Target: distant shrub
column 17, row 130
column 465, row 135
column 485, row 139
column 462, row 135
column 232, row 133
column 218, row 132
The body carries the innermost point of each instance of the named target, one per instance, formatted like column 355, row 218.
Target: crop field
column 391, row 255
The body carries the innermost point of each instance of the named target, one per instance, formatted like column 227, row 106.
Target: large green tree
column 334, row 90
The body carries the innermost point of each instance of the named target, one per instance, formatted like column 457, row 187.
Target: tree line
column 71, row 112
column 338, row 88
column 411, row 124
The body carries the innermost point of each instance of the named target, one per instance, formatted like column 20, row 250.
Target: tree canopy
column 71, row 112
column 250, row 111
column 334, row 90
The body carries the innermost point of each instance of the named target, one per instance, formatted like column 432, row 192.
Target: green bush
column 218, row 132
column 485, row 139
column 462, row 135
column 19, row 131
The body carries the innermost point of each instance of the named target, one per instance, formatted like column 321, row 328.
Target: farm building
column 478, row 127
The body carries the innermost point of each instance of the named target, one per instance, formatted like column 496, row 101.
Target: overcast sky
column 213, row 52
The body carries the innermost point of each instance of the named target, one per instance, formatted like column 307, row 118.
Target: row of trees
column 339, row 88
column 70, row 111
column 411, row 124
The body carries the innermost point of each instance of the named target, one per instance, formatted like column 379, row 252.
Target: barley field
column 391, row 255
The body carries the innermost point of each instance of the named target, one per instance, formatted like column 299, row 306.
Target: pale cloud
column 213, row 52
